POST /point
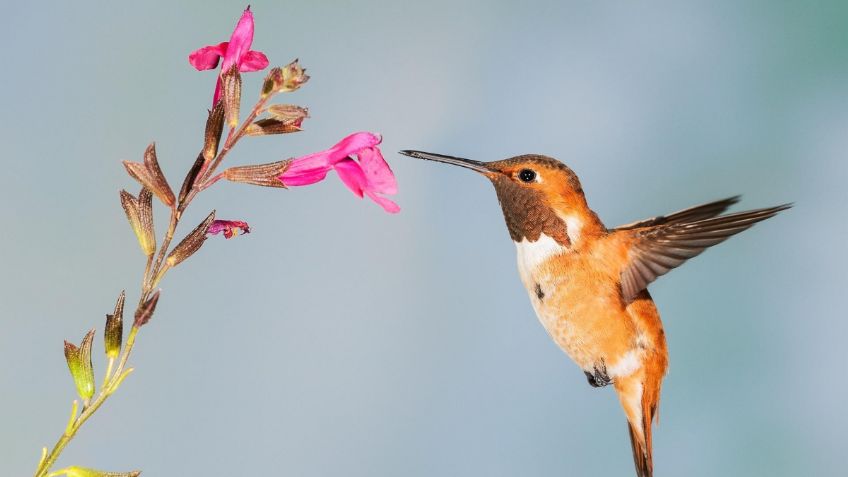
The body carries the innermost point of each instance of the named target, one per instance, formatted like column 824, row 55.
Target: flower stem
column 113, row 380
column 233, row 137
column 74, row 425
column 154, row 270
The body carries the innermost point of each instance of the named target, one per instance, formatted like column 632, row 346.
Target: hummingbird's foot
column 599, row 377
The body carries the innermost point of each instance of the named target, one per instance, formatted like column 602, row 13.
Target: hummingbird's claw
column 599, row 378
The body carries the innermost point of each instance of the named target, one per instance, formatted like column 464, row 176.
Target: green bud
column 114, row 331
column 79, row 363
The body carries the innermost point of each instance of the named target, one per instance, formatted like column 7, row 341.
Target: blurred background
column 337, row 339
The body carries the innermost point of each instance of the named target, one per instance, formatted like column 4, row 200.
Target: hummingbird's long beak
column 478, row 166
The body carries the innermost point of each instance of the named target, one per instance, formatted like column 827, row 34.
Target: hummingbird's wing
column 692, row 214
column 654, row 250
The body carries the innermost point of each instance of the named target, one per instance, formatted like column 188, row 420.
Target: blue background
column 339, row 340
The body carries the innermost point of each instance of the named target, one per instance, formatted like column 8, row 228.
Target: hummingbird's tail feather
column 640, row 395
column 644, row 466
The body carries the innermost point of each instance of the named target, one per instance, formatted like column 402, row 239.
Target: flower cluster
column 356, row 159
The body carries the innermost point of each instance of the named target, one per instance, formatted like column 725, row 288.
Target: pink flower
column 234, row 52
column 231, row 228
column 370, row 176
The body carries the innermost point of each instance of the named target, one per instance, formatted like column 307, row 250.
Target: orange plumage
column 588, row 284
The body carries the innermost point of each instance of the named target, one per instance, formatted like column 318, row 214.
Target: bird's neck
column 530, row 215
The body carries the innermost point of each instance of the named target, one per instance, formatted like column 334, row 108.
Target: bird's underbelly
column 584, row 317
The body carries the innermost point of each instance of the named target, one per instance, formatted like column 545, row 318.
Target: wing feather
column 692, row 214
column 665, row 244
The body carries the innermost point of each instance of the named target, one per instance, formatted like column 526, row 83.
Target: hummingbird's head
column 538, row 194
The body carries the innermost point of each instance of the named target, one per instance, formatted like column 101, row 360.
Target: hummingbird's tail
column 640, row 395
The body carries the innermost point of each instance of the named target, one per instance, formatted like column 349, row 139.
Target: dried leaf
column 231, row 80
column 150, row 176
column 114, row 332
column 191, row 243
column 145, row 312
column 265, row 175
column 267, row 126
column 188, row 183
column 79, row 363
column 214, row 128
column 288, row 113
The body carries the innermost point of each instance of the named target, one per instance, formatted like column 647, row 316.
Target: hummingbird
column 588, row 284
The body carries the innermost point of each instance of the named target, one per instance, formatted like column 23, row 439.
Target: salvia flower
column 230, row 228
column 234, row 52
column 368, row 175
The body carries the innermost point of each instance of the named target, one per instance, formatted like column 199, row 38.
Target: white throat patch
column 573, row 227
column 531, row 254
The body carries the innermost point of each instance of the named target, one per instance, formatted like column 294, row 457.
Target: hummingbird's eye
column 527, row 175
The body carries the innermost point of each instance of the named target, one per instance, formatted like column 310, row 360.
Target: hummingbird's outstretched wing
column 692, row 214
column 656, row 249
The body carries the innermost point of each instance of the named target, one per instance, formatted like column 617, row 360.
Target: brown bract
column 191, row 243
column 139, row 213
column 266, row 175
column 268, row 126
column 150, row 175
column 214, row 128
column 231, row 80
column 145, row 312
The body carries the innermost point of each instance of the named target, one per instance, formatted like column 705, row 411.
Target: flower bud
column 79, row 363
column 294, row 76
column 114, row 331
column 266, row 175
column 285, row 79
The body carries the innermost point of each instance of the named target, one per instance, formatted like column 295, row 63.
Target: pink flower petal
column 240, row 40
column 217, row 95
column 378, row 172
column 351, row 145
column 303, row 178
column 231, row 228
column 370, row 176
column 253, row 61
column 321, row 162
column 351, row 174
column 206, row 58
column 314, row 166
column 383, row 202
